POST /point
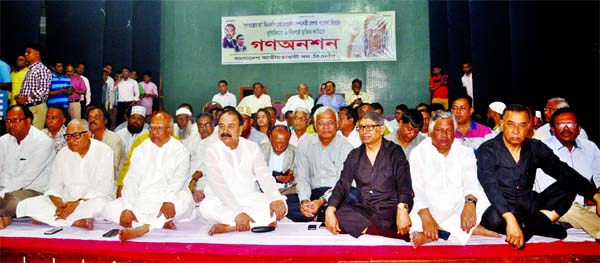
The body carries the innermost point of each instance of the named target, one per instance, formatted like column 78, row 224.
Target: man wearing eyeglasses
column 26, row 157
column 80, row 185
column 155, row 193
column 583, row 156
column 197, row 145
column 383, row 196
column 319, row 162
column 448, row 196
column 506, row 168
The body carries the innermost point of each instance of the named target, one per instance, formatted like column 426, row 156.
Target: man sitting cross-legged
column 447, row 193
column 155, row 190
column 382, row 178
column 81, row 182
column 241, row 193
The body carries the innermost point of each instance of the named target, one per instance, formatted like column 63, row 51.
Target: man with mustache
column 155, row 193
column 241, row 193
column 26, row 157
column 80, row 185
column 506, row 167
column 583, row 156
column 135, row 126
column 98, row 121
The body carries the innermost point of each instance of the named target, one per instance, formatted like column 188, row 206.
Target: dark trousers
column 533, row 222
column 121, row 107
column 293, row 204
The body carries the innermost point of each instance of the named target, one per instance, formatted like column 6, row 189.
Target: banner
column 302, row 38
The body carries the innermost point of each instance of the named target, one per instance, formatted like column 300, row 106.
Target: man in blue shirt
column 330, row 98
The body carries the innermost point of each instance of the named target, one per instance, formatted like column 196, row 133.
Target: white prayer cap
column 138, row 110
column 538, row 114
column 183, row 111
column 497, row 106
column 244, row 110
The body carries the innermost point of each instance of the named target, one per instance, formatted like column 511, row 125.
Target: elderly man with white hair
column 448, row 196
column 319, row 163
column 80, row 185
column 184, row 128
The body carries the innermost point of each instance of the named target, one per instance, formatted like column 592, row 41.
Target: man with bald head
column 154, row 189
column 80, row 185
column 280, row 155
column 241, row 193
column 26, row 156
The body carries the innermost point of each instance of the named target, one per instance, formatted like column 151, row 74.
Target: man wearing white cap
column 135, row 127
column 494, row 115
column 184, row 127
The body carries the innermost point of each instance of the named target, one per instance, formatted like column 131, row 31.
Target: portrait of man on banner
column 374, row 42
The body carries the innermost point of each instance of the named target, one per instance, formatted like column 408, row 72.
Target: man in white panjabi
column 448, row 195
column 241, row 193
column 155, row 192
column 80, row 185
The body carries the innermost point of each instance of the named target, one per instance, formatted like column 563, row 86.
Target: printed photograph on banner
column 306, row 38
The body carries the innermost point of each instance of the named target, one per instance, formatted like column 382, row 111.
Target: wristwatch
column 471, row 200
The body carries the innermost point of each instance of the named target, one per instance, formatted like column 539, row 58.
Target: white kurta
column 26, row 165
column 197, row 148
column 238, row 181
column 255, row 103
column 75, row 177
column 155, row 175
column 441, row 183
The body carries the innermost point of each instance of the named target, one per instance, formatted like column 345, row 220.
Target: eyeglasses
column 15, row 120
column 367, row 127
column 75, row 135
column 204, row 125
column 300, row 119
column 571, row 125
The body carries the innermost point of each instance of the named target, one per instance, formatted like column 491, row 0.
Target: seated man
column 185, row 127
column 347, row 126
column 26, row 157
column 447, row 193
column 80, row 185
column 154, row 190
column 330, row 98
column 386, row 198
column 469, row 132
column 319, row 163
column 301, row 118
column 280, row 155
column 56, row 117
column 506, row 168
column 197, row 146
column 98, row 119
column 407, row 135
column 241, row 193
column 583, row 156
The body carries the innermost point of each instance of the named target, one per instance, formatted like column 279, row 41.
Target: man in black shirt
column 506, row 168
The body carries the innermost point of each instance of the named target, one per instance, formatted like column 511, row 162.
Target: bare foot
column 482, row 231
column 418, row 238
column 86, row 223
column 130, row 233
column 35, row 222
column 5, row 221
column 220, row 229
column 553, row 216
column 170, row 225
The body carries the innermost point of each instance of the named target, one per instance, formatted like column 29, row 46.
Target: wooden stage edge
column 68, row 250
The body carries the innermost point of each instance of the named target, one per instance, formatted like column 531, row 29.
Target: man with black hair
column 224, row 97
column 128, row 94
column 408, row 135
column 98, row 119
column 438, row 86
column 356, row 97
column 36, row 85
column 56, row 117
column 506, row 168
column 347, row 125
column 26, row 157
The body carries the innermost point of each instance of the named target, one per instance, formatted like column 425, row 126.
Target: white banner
column 301, row 38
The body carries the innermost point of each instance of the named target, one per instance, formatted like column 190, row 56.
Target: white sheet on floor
column 287, row 233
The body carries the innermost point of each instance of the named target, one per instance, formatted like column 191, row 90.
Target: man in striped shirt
column 36, row 85
column 60, row 87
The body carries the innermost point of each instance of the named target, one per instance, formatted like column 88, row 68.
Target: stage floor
column 290, row 242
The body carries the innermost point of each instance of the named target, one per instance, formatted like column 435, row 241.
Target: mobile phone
column 443, row 234
column 53, row 231
column 312, row 227
column 111, row 233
